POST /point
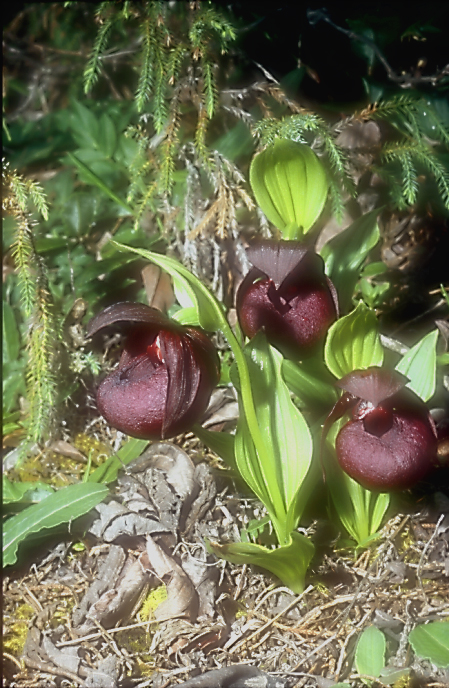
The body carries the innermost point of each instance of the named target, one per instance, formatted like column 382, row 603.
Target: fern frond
column 210, row 24
column 441, row 128
column 336, row 200
column 41, row 381
column 387, row 108
column 200, row 136
column 38, row 197
column 145, row 83
column 209, row 88
column 36, row 304
column 144, row 201
column 93, row 68
column 174, row 63
column 160, row 105
column 23, row 254
column 439, row 172
column 168, row 147
column 410, row 152
column 410, row 181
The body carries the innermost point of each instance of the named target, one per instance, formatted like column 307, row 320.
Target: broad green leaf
column 61, row 507
column 353, row 342
column 11, row 337
column 84, row 125
column 289, row 562
column 255, row 529
column 15, row 492
column 187, row 316
column 310, row 388
column 419, row 365
column 108, row 471
column 359, row 510
column 370, row 652
column 189, row 290
column 345, row 254
column 92, row 178
column 13, row 384
column 288, row 443
column 107, row 137
column 431, row 641
column 373, row 269
column 443, row 359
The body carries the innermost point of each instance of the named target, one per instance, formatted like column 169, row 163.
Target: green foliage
column 14, row 492
column 108, row 471
column 370, row 653
column 419, row 365
column 58, row 508
column 431, row 641
column 306, row 127
column 345, row 254
column 37, row 307
column 423, row 127
column 166, row 60
column 353, row 343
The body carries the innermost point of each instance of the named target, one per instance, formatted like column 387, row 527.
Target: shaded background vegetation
column 137, row 121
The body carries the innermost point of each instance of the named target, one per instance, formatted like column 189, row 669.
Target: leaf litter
column 220, row 625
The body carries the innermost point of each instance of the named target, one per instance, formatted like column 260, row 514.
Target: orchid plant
column 291, row 353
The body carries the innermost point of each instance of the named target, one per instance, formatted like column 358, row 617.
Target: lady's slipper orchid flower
column 287, row 295
column 391, row 441
column 165, row 376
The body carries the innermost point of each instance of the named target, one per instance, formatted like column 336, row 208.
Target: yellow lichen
column 151, row 603
column 99, row 451
column 14, row 638
column 136, row 641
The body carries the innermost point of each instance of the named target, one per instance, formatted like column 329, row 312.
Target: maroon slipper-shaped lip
column 287, row 295
column 165, row 376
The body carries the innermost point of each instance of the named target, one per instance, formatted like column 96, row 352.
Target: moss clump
column 14, row 639
column 88, row 445
column 152, row 602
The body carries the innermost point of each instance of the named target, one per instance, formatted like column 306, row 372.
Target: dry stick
column 424, row 552
column 12, row 659
column 271, row 621
column 50, row 669
column 95, row 636
column 344, row 615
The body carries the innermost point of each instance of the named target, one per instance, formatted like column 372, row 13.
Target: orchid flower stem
column 251, row 417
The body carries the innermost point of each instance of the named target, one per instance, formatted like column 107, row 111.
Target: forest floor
column 132, row 598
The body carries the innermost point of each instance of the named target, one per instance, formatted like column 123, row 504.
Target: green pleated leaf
column 359, row 510
column 419, row 365
column 345, row 254
column 16, row 492
column 277, row 476
column 63, row 506
column 370, row 652
column 289, row 562
column 353, row 342
column 309, row 384
column 190, row 291
column 290, row 185
column 431, row 641
column 108, row 471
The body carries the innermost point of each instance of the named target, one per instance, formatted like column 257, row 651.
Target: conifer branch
column 36, row 303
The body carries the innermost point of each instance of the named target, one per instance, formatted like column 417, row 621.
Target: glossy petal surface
column 396, row 460
column 288, row 296
column 165, row 376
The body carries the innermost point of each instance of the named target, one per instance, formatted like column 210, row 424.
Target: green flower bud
column 290, row 185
